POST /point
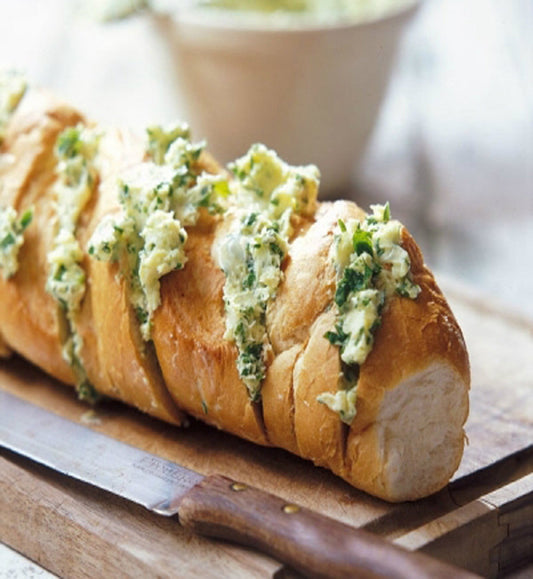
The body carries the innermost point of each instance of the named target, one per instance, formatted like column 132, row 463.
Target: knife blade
column 213, row 506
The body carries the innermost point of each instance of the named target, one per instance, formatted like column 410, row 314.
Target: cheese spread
column 12, row 89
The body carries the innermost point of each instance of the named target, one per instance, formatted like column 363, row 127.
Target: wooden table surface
column 452, row 152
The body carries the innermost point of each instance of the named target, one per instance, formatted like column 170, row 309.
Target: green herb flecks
column 267, row 194
column 76, row 152
column 160, row 198
column 371, row 266
column 12, row 228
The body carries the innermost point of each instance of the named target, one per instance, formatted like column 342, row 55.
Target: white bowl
column 310, row 91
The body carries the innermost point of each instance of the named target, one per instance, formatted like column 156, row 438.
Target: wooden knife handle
column 311, row 543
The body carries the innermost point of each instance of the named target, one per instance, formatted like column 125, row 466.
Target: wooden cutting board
column 481, row 521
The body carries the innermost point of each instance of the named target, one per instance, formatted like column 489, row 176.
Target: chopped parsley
column 266, row 194
column 76, row 151
column 12, row 229
column 159, row 198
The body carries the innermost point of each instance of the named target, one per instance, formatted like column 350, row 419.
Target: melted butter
column 12, row 89
column 76, row 151
column 342, row 402
column 163, row 251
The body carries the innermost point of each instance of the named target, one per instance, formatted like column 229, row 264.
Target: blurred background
column 451, row 148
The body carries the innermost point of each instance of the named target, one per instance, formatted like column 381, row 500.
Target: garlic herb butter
column 371, row 266
column 12, row 229
column 76, row 151
column 266, row 193
column 293, row 12
column 159, row 198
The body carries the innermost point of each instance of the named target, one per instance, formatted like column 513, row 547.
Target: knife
column 213, row 506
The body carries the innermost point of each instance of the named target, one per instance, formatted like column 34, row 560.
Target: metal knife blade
column 214, row 506
column 91, row 457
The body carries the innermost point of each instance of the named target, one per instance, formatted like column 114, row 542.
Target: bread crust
column 412, row 393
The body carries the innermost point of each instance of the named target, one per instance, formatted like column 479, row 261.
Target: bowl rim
column 240, row 21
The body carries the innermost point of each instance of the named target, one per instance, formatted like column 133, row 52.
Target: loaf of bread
column 139, row 269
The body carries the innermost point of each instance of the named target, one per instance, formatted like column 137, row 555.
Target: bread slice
column 412, row 398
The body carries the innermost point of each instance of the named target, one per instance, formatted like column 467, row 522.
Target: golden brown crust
column 412, row 395
column 319, row 431
column 277, row 395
